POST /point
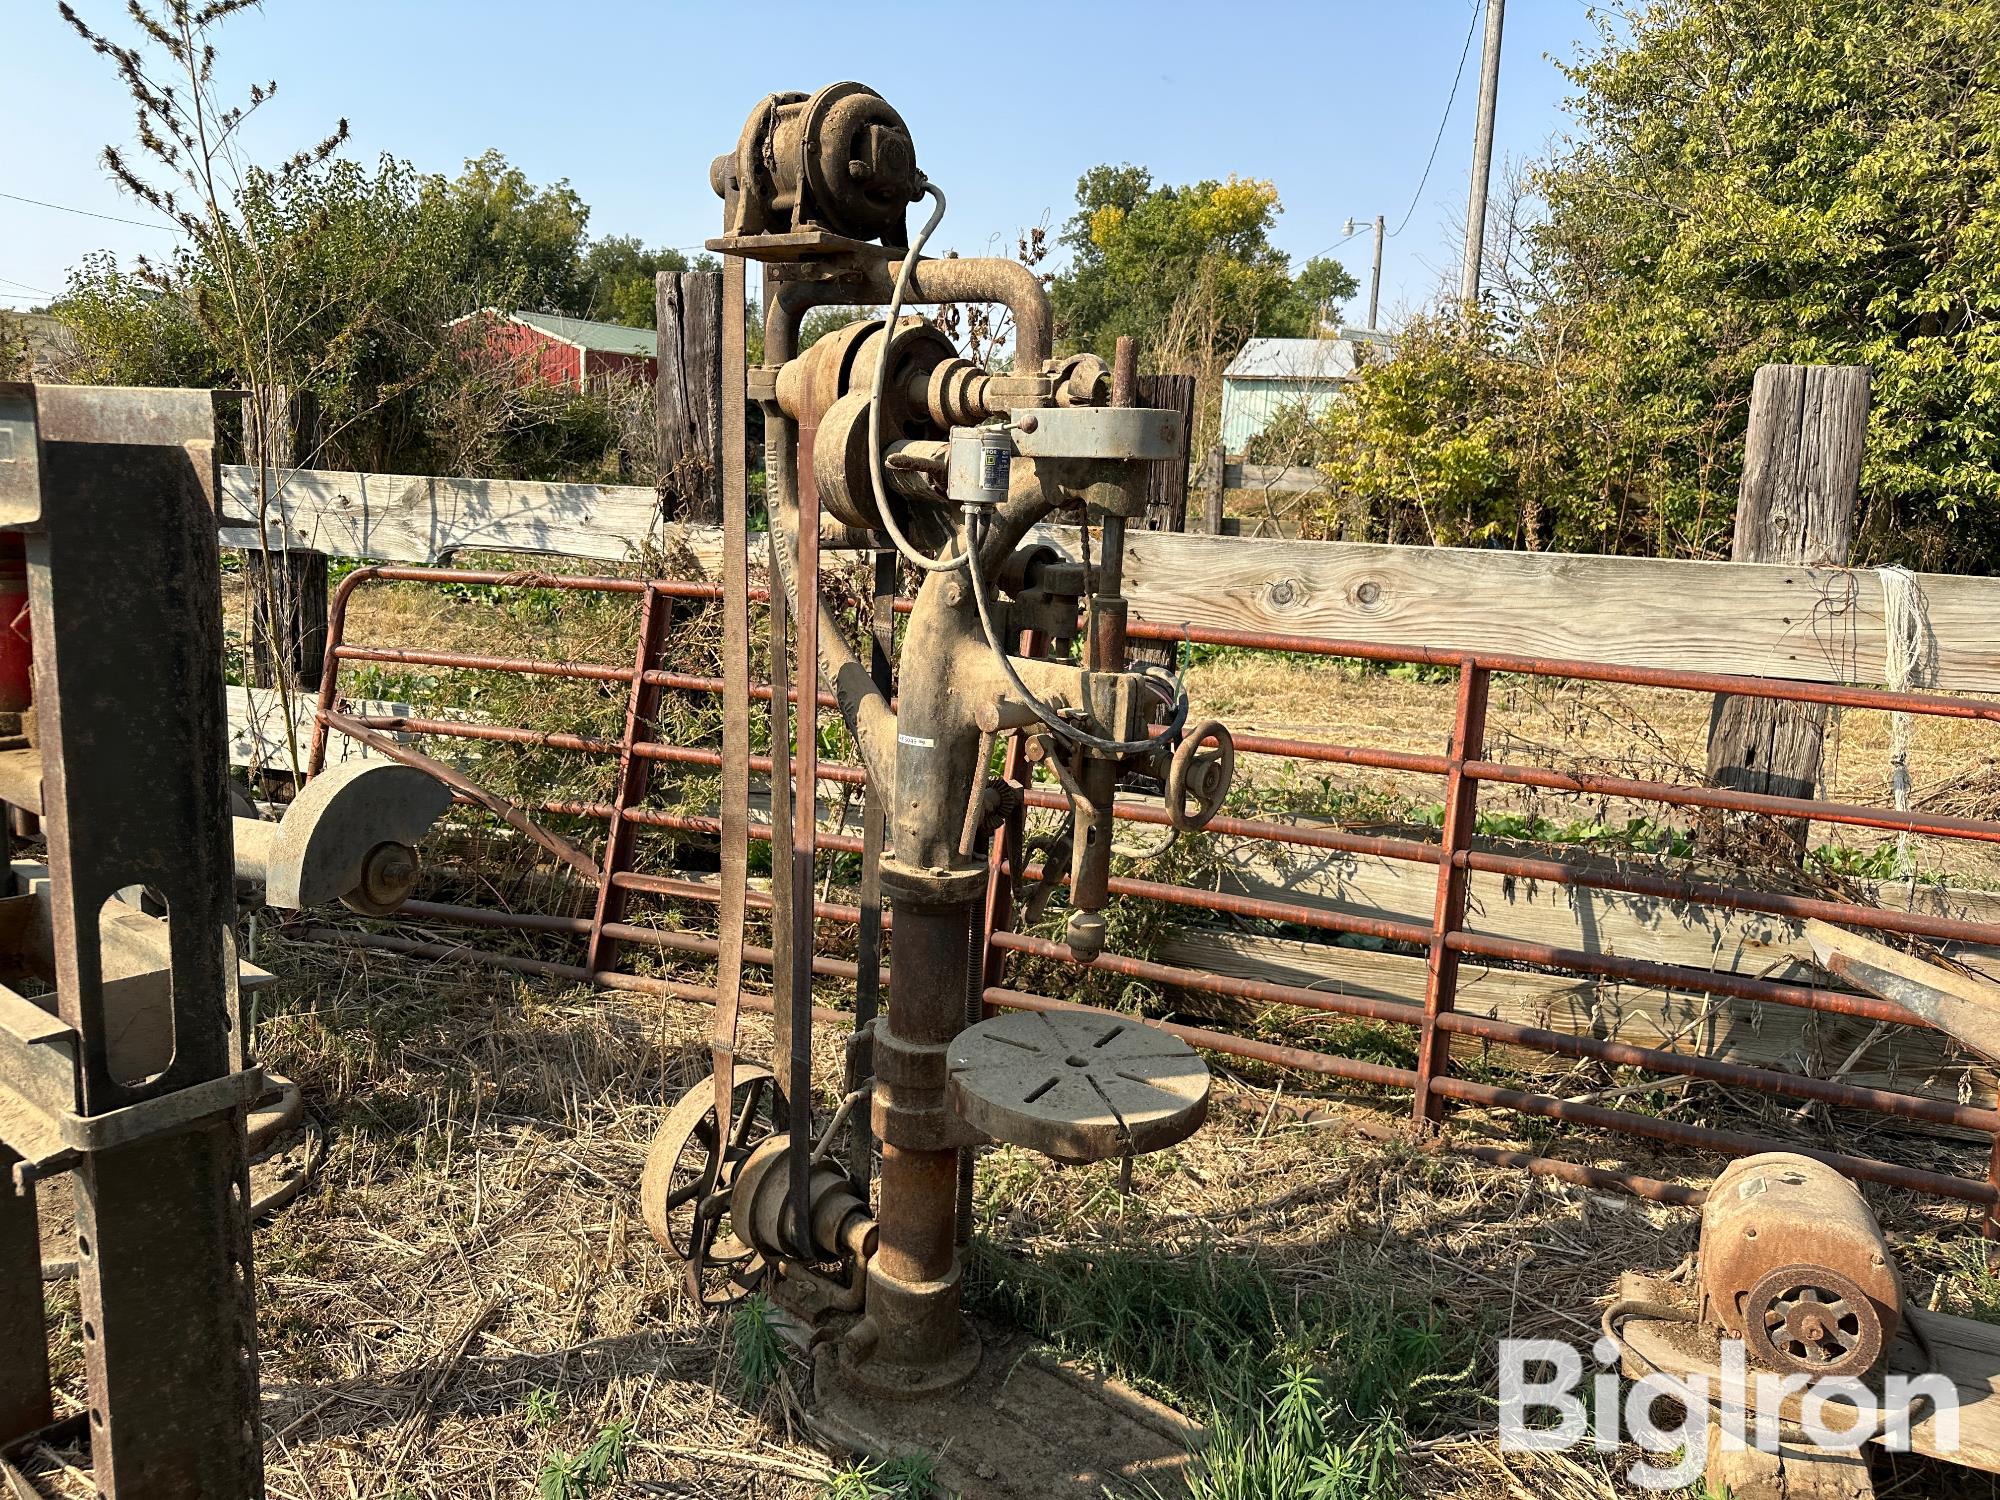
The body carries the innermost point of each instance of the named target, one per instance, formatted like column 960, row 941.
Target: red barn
column 555, row 350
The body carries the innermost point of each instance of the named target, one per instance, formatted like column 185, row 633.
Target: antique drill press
column 881, row 438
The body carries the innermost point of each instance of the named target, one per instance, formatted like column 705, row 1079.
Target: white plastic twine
column 1909, row 653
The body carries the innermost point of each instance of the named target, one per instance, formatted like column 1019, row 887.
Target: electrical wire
column 1175, row 723
column 903, row 543
column 64, row 208
column 1456, row 79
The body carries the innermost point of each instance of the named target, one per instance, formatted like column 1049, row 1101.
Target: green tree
column 1746, row 181
column 1805, row 181
column 1188, row 264
column 617, row 279
column 517, row 235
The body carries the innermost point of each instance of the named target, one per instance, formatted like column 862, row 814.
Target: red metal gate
column 1445, row 939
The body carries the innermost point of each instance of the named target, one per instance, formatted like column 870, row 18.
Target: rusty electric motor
column 839, row 160
column 1794, row 1264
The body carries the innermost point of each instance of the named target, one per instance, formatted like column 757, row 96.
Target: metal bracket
column 38, row 1089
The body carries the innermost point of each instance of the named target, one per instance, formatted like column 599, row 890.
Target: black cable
column 1039, row 709
column 1417, row 197
column 64, row 208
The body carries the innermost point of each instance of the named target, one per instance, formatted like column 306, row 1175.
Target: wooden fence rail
column 1820, row 624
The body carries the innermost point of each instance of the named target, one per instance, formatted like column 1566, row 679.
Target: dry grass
column 468, row 1290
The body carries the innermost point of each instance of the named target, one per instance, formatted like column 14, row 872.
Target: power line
column 24, row 286
column 89, row 214
column 1335, row 245
column 1438, row 140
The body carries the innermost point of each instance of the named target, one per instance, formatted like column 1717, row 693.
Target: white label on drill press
column 916, row 741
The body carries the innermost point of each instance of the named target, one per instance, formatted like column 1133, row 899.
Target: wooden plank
column 1212, row 491
column 1761, row 619
column 1283, row 479
column 1789, row 1473
column 1579, row 917
column 1966, row 1352
column 288, row 598
column 257, row 735
column 1167, row 480
column 413, row 518
column 1815, row 624
column 1685, row 1021
column 687, row 393
column 1966, row 1006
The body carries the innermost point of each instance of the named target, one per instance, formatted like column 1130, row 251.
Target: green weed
column 567, row 1477
column 541, row 1409
column 1880, row 863
column 910, row 1478
column 758, row 1348
column 1217, row 1336
column 1290, row 1446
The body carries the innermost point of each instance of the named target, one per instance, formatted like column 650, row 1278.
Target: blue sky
column 1338, row 103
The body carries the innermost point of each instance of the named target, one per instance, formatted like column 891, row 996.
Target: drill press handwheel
column 1078, row 1085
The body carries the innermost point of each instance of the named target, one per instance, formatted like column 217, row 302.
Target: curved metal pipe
column 988, row 278
column 977, row 279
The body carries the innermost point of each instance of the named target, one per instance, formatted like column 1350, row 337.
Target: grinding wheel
column 1078, row 1085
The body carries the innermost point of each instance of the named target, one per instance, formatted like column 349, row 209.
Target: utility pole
column 1375, row 276
column 1482, row 157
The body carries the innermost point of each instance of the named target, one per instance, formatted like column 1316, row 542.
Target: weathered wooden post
column 1167, row 484
column 287, row 585
column 1211, row 491
column 687, row 394
column 1796, row 504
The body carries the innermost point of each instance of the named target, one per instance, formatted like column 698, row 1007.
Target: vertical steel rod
column 735, row 787
column 868, row 944
column 1461, row 813
column 635, row 774
column 805, row 828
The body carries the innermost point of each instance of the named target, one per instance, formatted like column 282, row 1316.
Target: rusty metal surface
column 127, row 623
column 839, row 161
column 1794, row 1263
column 735, row 597
column 1639, row 881
column 684, row 1189
column 634, row 774
column 873, row 920
column 1077, row 1087
column 1461, row 811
